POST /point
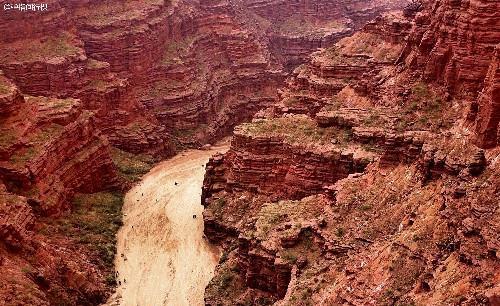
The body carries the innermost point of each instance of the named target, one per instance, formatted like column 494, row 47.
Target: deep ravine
column 162, row 257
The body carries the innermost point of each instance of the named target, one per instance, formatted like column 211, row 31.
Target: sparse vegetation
column 47, row 102
column 131, row 166
column 59, row 45
column 175, row 48
column 225, row 279
column 294, row 212
column 95, row 64
column 36, row 142
column 296, row 130
column 425, row 110
column 106, row 13
column 371, row 45
column 98, row 84
column 7, row 138
column 365, row 207
column 218, row 206
column 23, row 155
column 405, row 272
column 374, row 119
column 27, row 270
column 340, row 232
column 289, row 256
column 4, row 89
column 299, row 25
column 291, row 101
column 93, row 223
column 99, row 216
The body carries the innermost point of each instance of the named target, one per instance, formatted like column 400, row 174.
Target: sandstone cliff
column 411, row 216
column 454, row 43
column 92, row 93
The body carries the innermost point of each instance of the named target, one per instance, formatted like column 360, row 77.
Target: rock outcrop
column 488, row 114
column 411, row 220
column 17, row 218
column 50, row 150
column 281, row 165
column 296, row 28
column 454, row 43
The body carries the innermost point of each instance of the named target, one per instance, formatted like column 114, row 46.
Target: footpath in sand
column 162, row 258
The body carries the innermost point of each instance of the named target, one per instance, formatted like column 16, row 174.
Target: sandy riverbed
column 165, row 259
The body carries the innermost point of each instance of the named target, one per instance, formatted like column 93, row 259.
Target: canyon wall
column 374, row 179
column 296, row 28
column 454, row 43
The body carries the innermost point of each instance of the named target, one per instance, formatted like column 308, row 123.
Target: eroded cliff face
column 294, row 29
column 369, row 182
column 488, row 114
column 50, row 150
column 454, row 43
column 92, row 93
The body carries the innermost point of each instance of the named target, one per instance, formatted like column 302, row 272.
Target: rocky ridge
column 414, row 223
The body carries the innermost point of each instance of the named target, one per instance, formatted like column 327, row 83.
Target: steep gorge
column 92, row 93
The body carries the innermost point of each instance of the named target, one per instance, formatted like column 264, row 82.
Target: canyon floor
column 363, row 169
column 162, row 257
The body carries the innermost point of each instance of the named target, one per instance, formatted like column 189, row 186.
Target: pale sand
column 165, row 259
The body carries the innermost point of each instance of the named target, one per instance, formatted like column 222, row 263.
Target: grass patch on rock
column 294, row 129
column 4, row 89
column 92, row 224
column 297, row 25
column 98, row 217
column 294, row 212
column 36, row 142
column 59, row 45
column 425, row 110
column 131, row 166
column 7, row 138
column 106, row 13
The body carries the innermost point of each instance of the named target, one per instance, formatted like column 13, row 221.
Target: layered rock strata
column 93, row 91
column 50, row 150
column 296, row 28
column 414, row 224
column 454, row 43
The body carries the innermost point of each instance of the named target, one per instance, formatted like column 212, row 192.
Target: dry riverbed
column 162, row 258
